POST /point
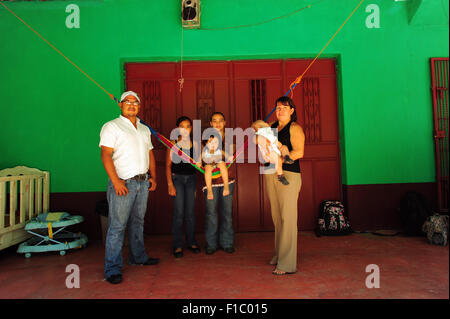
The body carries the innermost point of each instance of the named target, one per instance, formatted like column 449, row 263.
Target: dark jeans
column 226, row 234
column 127, row 210
column 183, row 206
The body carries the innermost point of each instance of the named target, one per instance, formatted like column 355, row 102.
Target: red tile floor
column 328, row 268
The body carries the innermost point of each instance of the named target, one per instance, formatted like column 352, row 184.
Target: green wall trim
column 227, row 58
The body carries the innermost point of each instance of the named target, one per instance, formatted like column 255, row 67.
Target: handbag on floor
column 436, row 228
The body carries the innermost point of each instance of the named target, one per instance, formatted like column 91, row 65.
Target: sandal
column 273, row 261
column 177, row 254
column 195, row 249
column 288, row 160
column 283, row 179
column 278, row 272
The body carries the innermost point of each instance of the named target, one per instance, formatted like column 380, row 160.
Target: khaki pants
column 283, row 205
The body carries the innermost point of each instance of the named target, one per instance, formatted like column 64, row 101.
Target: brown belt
column 140, row 177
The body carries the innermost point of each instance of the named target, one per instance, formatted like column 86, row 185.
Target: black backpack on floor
column 332, row 220
column 414, row 211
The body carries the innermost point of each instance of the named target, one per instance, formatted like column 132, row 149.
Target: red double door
column 243, row 91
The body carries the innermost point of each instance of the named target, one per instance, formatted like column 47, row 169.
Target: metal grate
column 311, row 104
column 439, row 87
column 205, row 101
column 151, row 107
column 258, row 99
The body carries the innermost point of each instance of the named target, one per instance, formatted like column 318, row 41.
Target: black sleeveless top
column 284, row 136
column 179, row 166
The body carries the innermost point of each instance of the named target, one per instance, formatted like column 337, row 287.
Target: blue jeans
column 226, row 234
column 127, row 210
column 183, row 206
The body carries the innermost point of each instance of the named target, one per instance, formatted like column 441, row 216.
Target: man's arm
column 119, row 185
column 152, row 168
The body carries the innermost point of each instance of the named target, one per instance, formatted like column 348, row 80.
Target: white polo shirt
column 131, row 146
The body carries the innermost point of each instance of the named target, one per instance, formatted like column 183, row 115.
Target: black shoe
column 178, row 254
column 210, row 251
column 288, row 160
column 114, row 279
column 283, row 179
column 195, row 250
column 229, row 250
column 151, row 261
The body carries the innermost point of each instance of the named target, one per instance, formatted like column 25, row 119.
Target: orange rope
column 110, row 95
column 299, row 79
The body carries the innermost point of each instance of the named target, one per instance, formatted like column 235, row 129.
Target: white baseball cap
column 127, row 93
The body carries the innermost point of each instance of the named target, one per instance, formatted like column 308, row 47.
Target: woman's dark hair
column 182, row 119
column 215, row 113
column 286, row 100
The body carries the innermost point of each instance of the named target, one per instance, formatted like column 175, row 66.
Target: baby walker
column 49, row 234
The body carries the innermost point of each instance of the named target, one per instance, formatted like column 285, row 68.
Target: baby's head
column 258, row 124
column 213, row 143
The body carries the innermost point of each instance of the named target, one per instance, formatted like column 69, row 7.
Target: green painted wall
column 51, row 115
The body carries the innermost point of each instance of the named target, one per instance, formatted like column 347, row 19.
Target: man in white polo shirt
column 126, row 153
